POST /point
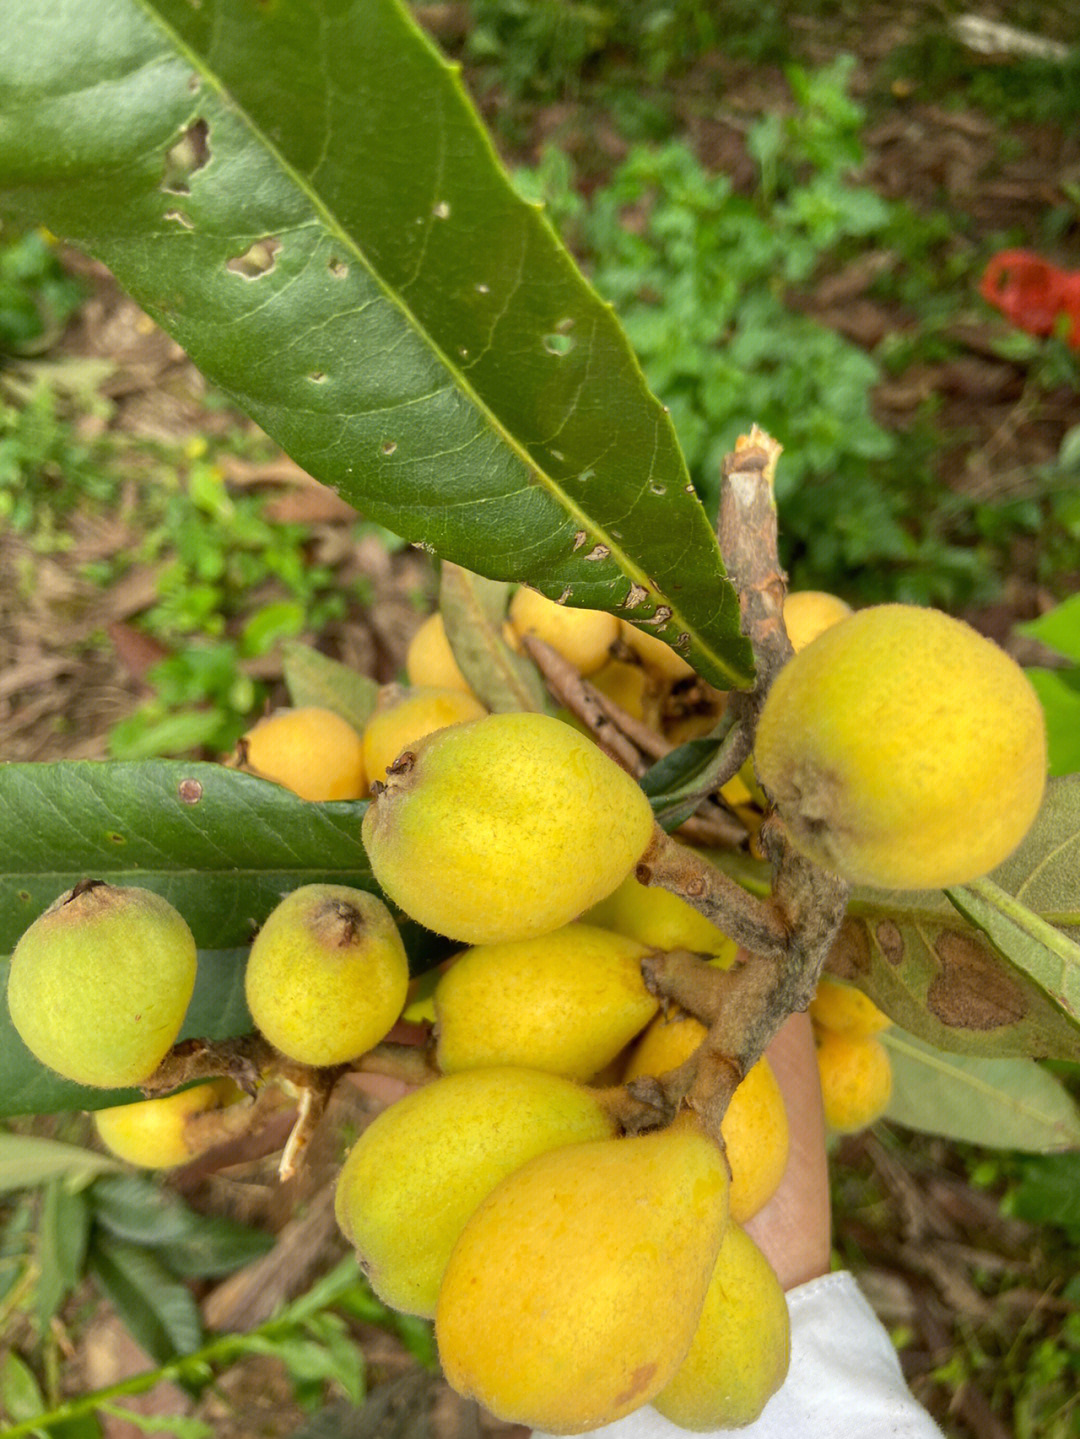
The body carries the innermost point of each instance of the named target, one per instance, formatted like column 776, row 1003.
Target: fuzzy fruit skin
column 152, row 1133
column 583, row 637
column 755, row 1127
column 100, row 983
column 312, row 751
column 565, row 1002
column 415, row 1176
column 903, row 750
column 327, row 974
column 741, row 1349
column 856, row 1079
column 504, row 828
column 409, row 715
column 573, row 1293
column 846, row 1010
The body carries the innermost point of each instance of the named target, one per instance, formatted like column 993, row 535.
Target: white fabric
column 845, row 1380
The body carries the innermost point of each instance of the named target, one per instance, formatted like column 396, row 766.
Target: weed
column 701, row 275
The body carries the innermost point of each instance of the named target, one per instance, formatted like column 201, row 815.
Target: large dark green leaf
column 302, row 195
column 160, row 1312
column 222, row 846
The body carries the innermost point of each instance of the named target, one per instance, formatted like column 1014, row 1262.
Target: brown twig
column 786, row 937
column 583, row 700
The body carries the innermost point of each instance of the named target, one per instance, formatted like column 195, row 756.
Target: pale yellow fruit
column 755, row 1127
column 741, row 1349
column 100, row 983
column 429, row 660
column 808, row 613
column 408, row 716
column 417, row 1173
column 574, row 1290
column 154, row 1133
column 504, row 828
column 656, row 654
column 846, row 1010
column 565, row 1002
column 903, row 750
column 856, row 1079
column 661, row 920
column 327, row 974
column 583, row 637
column 312, row 751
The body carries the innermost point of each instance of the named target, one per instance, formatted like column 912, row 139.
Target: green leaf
column 174, row 1426
column 62, row 1238
column 222, row 846
column 474, row 612
column 1000, row 1103
column 1048, row 1191
column 160, row 1313
column 135, row 1208
column 26, row 1161
column 360, row 276
column 676, row 783
column 1024, row 940
column 20, row 1393
column 1059, row 695
column 315, row 679
column 940, row 979
column 1059, row 628
column 216, row 1246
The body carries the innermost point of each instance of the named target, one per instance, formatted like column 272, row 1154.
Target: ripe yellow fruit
column 755, row 1127
column 417, row 1173
column 740, row 1352
column 856, row 1079
column 565, row 1002
column 327, row 974
column 312, row 751
column 100, row 983
column 584, row 637
column 409, row 715
column 656, row 654
column 429, row 660
column 504, row 828
column 808, row 613
column 903, row 750
column 661, row 920
column 154, row 1133
column 574, row 1291
column 846, row 1010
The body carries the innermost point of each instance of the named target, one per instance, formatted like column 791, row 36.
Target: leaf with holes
column 304, row 197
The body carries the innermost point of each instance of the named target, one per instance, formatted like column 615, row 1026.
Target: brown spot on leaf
column 972, row 990
column 850, row 955
column 890, row 941
column 189, row 791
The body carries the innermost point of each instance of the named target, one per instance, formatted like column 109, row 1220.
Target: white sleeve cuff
column 845, row 1380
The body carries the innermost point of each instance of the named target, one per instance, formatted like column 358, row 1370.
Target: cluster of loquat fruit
column 486, row 1199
